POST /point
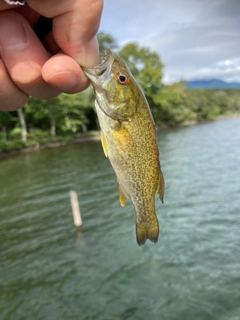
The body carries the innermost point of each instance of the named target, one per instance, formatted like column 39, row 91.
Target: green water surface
column 48, row 271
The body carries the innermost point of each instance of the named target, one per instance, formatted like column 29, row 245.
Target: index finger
column 75, row 24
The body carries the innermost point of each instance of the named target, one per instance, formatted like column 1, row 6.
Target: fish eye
column 122, row 78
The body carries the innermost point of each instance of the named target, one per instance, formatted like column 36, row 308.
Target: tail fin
column 144, row 233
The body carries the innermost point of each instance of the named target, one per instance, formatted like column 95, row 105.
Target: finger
column 11, row 96
column 65, row 73
column 24, row 55
column 50, row 43
column 75, row 24
column 28, row 13
column 4, row 6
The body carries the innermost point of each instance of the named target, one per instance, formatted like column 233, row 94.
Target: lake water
column 49, row 272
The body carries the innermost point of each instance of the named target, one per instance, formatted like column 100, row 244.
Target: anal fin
column 160, row 187
column 122, row 197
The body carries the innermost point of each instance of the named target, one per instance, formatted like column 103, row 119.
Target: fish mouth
column 105, row 62
column 100, row 73
column 99, row 77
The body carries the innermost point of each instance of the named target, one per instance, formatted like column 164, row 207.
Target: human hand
column 44, row 69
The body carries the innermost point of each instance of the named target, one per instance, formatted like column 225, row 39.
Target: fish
column 128, row 136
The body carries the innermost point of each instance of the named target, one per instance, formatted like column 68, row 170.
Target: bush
column 15, row 133
column 11, row 145
column 3, row 145
column 38, row 135
column 3, row 135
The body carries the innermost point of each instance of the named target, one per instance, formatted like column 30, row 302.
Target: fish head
column 115, row 88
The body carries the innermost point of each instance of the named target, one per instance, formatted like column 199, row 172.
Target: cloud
column 229, row 70
column 193, row 37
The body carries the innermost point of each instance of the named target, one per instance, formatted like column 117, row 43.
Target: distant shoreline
column 194, row 122
column 36, row 147
column 97, row 137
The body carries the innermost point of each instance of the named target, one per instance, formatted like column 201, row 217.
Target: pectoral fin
column 104, row 144
column 160, row 188
column 122, row 197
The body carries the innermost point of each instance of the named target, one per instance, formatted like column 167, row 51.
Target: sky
column 196, row 39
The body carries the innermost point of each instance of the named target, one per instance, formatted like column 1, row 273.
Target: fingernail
column 13, row 34
column 64, row 80
column 90, row 55
column 92, row 47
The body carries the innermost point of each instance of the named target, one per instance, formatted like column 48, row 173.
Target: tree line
column 68, row 115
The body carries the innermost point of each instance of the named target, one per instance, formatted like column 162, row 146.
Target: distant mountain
column 211, row 84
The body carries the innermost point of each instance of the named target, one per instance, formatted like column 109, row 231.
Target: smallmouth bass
column 128, row 138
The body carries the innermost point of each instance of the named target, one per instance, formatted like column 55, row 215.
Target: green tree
column 23, row 125
column 106, row 40
column 75, row 110
column 7, row 122
column 204, row 104
column 65, row 112
column 223, row 101
column 172, row 105
column 145, row 65
column 147, row 68
column 235, row 102
column 44, row 111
